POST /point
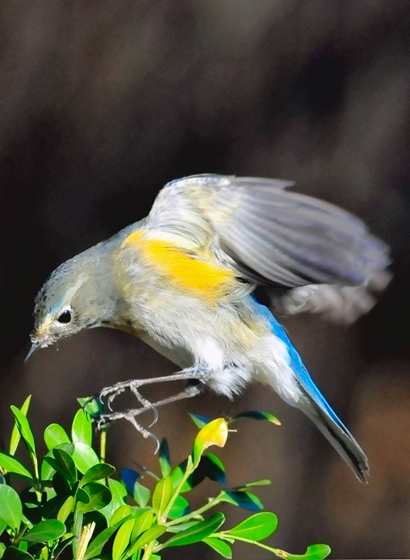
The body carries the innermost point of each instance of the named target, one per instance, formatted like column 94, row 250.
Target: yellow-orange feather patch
column 204, row 278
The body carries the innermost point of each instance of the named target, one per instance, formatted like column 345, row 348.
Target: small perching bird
column 182, row 281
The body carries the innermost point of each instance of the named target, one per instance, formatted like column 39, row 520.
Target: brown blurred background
column 101, row 103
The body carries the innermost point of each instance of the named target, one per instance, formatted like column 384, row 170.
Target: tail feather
column 340, row 438
column 315, row 406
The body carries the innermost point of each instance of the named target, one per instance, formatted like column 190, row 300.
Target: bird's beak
column 33, row 348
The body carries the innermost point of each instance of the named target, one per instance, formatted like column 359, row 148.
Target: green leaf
column 199, row 420
column 198, row 532
column 179, row 508
column 47, row 471
column 185, row 525
column 45, row 531
column 81, row 429
column 2, row 549
column 11, row 510
column 13, row 553
column 263, row 482
column 13, row 465
column 120, row 514
column 219, row 546
column 84, row 456
column 66, row 509
column 164, row 458
column 96, row 545
column 119, row 495
column 142, row 524
column 99, row 495
column 162, row 495
column 55, row 435
column 63, row 464
column 243, row 499
column 141, row 494
column 93, row 407
column 149, row 536
column 213, row 468
column 24, row 428
column 177, row 473
column 15, row 434
column 97, row 472
column 257, row 527
column 122, row 538
column 3, row 525
column 257, row 415
column 313, row 552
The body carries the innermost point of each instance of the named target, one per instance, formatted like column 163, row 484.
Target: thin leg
column 188, row 392
column 197, row 371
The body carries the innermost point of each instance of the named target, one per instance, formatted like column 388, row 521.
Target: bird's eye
column 65, row 317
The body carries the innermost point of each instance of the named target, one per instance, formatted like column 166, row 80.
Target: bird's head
column 76, row 296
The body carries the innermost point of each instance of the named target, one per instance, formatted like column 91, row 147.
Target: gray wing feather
column 291, row 239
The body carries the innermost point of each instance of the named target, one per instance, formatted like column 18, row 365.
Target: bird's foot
column 191, row 390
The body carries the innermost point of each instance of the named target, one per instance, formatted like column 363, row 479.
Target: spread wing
column 276, row 237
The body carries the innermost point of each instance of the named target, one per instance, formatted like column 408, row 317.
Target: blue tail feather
column 315, row 405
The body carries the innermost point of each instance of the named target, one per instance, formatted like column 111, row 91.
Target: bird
column 202, row 280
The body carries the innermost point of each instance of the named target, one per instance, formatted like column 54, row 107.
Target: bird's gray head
column 78, row 295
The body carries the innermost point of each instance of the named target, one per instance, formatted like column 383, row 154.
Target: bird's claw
column 130, row 416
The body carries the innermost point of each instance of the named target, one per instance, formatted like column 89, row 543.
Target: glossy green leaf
column 95, row 547
column 313, row 552
column 84, row 456
column 11, row 509
column 97, row 472
column 257, row 415
column 119, row 495
column 46, row 470
column 141, row 494
column 13, row 465
column 149, row 536
column 99, row 496
column 3, row 525
column 122, row 538
column 66, row 509
column 262, row 482
column 185, row 525
column 198, row 532
column 221, row 547
column 45, row 531
column 93, row 407
column 62, row 462
column 120, row 514
column 13, row 553
column 24, row 428
column 15, row 434
column 243, row 499
column 55, row 435
column 177, row 474
column 164, row 458
column 81, row 429
column 257, row 527
column 179, row 508
column 2, row 549
column 162, row 495
column 213, row 468
column 199, row 420
column 142, row 524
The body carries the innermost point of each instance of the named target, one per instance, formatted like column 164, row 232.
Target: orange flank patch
column 201, row 277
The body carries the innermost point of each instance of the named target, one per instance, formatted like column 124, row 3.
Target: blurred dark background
column 103, row 102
